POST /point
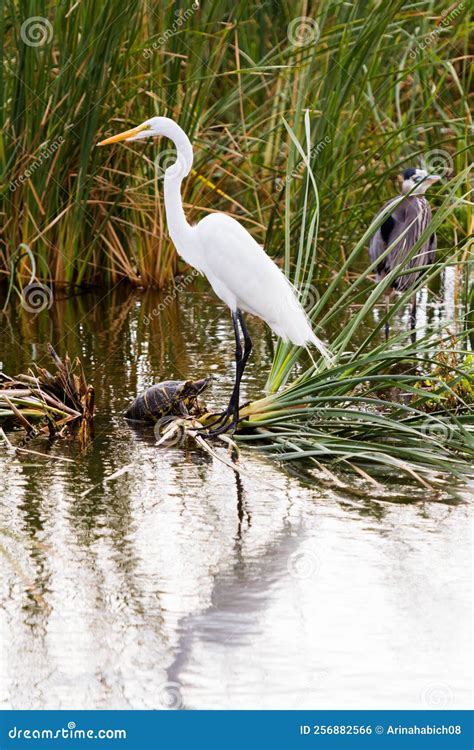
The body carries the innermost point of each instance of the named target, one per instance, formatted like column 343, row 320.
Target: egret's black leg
column 235, row 398
column 221, row 422
column 233, row 407
column 247, row 339
column 240, row 362
column 223, row 416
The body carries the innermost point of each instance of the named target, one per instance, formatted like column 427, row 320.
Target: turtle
column 169, row 398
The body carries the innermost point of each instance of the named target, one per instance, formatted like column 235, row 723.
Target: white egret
column 237, row 267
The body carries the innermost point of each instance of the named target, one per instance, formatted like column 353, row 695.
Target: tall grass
column 406, row 405
column 231, row 74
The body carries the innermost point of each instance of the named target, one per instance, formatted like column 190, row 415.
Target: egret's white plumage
column 237, row 267
column 244, row 277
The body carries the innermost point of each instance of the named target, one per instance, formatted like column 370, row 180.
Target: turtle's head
column 190, row 393
column 196, row 387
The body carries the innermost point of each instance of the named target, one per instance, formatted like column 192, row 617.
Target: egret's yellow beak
column 124, row 136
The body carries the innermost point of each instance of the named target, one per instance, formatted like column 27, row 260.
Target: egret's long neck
column 179, row 228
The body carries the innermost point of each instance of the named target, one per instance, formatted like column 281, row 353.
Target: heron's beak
column 432, row 178
column 124, row 136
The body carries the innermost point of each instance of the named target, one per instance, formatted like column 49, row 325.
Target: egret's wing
column 237, row 262
column 245, row 277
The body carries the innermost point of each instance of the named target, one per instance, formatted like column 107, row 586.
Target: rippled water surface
column 182, row 584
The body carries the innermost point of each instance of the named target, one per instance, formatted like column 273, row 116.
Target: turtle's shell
column 172, row 397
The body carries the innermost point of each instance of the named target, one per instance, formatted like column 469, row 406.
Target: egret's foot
column 220, row 424
column 226, row 427
column 222, row 416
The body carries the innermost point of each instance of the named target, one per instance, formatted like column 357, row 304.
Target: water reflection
column 183, row 584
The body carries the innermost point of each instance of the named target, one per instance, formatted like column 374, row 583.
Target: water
column 181, row 584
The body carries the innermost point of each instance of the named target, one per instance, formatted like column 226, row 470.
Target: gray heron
column 402, row 228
